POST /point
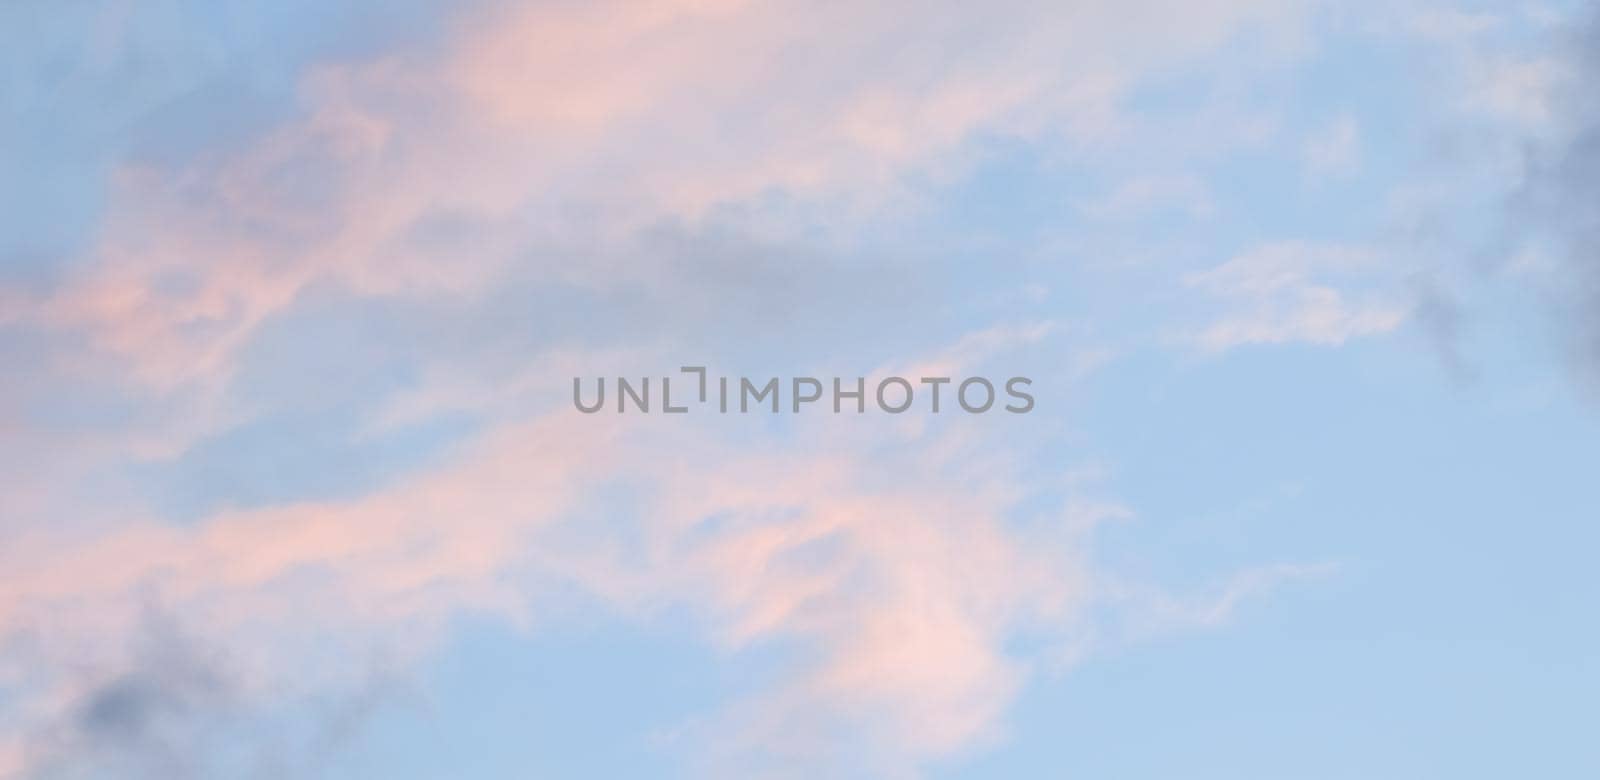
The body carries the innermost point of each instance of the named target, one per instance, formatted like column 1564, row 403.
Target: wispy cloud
column 1334, row 151
column 587, row 158
column 1286, row 292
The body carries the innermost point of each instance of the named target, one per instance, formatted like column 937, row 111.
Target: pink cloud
column 904, row 596
column 903, row 579
column 637, row 111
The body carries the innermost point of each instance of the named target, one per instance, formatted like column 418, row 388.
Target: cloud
column 1142, row 195
column 1286, row 293
column 1441, row 317
column 902, row 578
column 171, row 703
column 583, row 157
column 1334, row 151
column 147, row 718
column 542, row 125
column 1554, row 214
column 1144, row 611
column 901, row 564
column 1521, row 91
column 1451, row 23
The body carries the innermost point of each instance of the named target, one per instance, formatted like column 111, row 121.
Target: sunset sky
column 293, row 294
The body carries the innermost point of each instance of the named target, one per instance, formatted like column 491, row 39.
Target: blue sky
column 295, row 293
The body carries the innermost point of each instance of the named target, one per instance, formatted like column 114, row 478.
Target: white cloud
column 1143, row 195
column 1519, row 91
column 1334, row 151
column 1287, row 293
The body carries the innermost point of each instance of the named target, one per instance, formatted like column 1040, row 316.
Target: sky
column 293, row 296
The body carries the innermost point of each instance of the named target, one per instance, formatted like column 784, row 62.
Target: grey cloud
column 1558, row 208
column 1442, row 320
column 150, row 719
column 180, row 708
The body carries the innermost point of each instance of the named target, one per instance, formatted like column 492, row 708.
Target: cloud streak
column 564, row 148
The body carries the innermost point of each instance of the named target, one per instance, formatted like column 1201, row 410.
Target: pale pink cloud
column 905, row 595
column 903, row 578
column 634, row 111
